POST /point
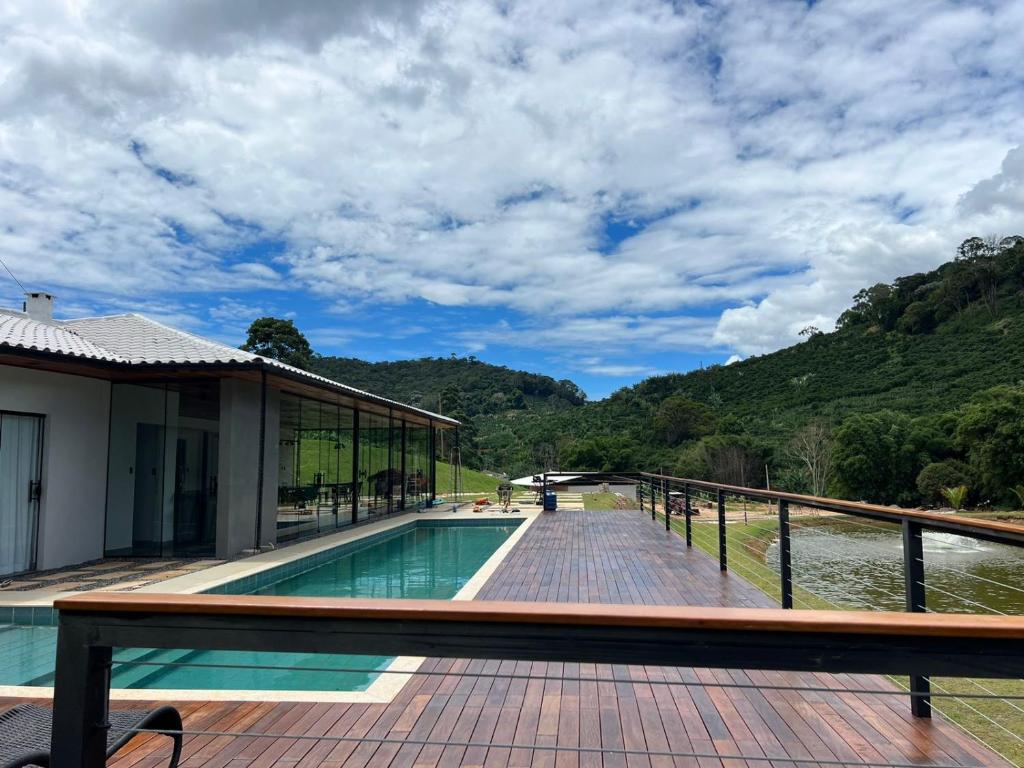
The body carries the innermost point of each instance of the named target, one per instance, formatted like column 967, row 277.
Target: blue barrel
column 550, row 501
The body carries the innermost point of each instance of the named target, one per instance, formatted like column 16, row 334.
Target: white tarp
column 552, row 479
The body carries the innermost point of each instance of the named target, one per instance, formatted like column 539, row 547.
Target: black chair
column 25, row 733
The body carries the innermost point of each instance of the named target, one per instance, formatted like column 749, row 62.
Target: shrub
column 942, row 474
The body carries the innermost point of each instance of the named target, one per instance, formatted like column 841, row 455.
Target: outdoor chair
column 25, row 733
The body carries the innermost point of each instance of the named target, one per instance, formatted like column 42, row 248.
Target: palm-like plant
column 1018, row 491
column 956, row 496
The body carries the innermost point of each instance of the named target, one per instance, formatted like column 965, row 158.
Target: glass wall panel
column 374, row 465
column 162, row 469
column 395, row 466
column 315, row 467
column 444, row 452
column 417, row 463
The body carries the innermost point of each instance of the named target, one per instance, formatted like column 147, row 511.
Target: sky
column 599, row 191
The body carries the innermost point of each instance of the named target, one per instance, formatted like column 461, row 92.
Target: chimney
column 39, row 306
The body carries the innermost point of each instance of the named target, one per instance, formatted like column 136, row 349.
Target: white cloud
column 775, row 157
column 1004, row 190
column 612, row 369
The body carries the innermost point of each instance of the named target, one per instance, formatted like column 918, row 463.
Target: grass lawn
column 598, row 501
column 473, row 481
column 321, row 455
column 998, row 724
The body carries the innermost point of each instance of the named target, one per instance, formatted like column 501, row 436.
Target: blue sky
column 594, row 190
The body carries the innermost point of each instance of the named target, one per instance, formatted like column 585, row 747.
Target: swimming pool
column 424, row 559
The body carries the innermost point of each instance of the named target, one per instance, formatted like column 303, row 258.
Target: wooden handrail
column 1009, row 533
column 773, row 620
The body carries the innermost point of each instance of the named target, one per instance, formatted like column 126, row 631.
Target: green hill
column 480, row 395
column 899, row 374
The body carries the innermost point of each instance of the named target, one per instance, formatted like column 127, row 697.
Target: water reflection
column 862, row 567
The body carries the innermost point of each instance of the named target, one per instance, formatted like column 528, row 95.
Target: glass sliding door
column 315, row 467
column 162, row 471
column 194, row 418
column 21, row 452
column 136, row 469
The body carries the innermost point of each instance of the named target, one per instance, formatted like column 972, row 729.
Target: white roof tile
column 17, row 330
column 141, row 340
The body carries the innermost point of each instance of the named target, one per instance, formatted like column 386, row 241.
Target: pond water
column 862, row 566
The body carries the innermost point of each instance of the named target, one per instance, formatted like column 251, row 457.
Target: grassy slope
column 312, row 450
column 473, row 481
column 859, row 370
column 599, row 501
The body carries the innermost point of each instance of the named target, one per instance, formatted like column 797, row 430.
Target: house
column 121, row 436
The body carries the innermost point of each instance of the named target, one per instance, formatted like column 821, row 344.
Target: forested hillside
column 909, row 380
column 919, row 389
column 476, row 393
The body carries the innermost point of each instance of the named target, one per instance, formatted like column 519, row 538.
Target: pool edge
column 382, row 690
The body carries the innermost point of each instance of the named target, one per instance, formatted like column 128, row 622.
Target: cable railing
column 866, row 584
column 756, row 651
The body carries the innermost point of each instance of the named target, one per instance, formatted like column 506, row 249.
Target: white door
column 21, row 443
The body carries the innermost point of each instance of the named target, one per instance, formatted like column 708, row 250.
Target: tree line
column 915, row 398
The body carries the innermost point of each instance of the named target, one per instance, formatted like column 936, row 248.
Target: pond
column 861, row 566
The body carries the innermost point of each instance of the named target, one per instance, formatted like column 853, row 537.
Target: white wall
column 71, row 516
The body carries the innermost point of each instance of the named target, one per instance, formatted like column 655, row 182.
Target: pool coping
column 389, row 681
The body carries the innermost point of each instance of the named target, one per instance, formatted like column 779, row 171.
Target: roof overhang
column 285, row 379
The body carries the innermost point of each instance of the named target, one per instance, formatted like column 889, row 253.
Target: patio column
column 238, row 463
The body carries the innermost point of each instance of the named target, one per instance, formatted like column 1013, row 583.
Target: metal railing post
column 668, row 511
column 913, row 575
column 654, row 500
column 785, row 555
column 81, row 701
column 723, row 560
column 687, row 513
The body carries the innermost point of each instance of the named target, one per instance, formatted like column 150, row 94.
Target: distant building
column 122, row 436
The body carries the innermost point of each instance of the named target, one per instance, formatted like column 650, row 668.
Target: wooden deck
column 602, row 557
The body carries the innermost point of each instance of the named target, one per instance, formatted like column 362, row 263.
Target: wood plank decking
column 574, row 556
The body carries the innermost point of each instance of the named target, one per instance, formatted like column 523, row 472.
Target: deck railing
column 676, row 496
column 93, row 624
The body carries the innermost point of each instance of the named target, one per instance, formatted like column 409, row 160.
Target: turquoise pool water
column 426, row 559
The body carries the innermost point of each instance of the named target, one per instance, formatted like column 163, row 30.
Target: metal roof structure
column 135, row 342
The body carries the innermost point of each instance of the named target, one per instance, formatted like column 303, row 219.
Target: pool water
column 415, row 562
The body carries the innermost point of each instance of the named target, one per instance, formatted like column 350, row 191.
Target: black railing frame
column 912, row 523
column 87, row 636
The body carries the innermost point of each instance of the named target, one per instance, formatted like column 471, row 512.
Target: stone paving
column 115, row 574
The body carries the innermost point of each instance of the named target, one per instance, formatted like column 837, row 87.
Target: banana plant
column 956, row 496
column 1018, row 491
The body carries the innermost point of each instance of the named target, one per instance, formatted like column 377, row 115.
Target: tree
column 679, row 418
column 879, row 455
column 728, row 459
column 942, row 474
column 280, row 340
column 813, row 448
column 601, row 454
column 991, row 433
